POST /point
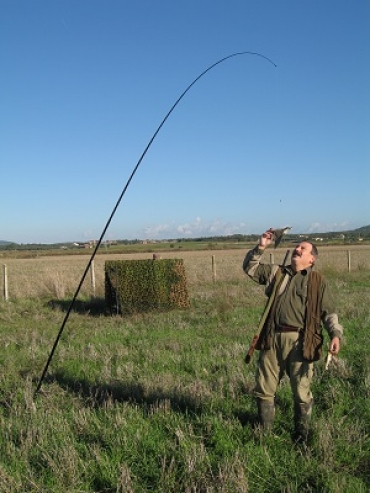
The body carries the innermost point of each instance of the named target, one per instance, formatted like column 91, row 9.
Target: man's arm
column 252, row 262
column 330, row 321
column 335, row 331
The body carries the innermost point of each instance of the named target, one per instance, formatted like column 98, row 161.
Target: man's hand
column 266, row 239
column 334, row 346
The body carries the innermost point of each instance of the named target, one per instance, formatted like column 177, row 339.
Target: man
column 291, row 338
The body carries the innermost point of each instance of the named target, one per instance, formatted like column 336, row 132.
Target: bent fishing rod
column 71, row 305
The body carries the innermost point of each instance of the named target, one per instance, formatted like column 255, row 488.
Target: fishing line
column 121, row 197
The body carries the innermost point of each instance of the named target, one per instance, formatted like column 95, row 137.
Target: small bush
column 141, row 285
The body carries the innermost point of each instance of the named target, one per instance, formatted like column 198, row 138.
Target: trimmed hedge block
column 133, row 286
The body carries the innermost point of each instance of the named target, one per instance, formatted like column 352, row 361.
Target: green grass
column 162, row 402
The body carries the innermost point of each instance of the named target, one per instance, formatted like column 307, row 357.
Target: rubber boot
column 302, row 418
column 266, row 413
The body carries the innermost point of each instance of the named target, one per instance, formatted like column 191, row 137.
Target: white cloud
column 217, row 227
column 317, row 227
column 157, row 231
column 193, row 229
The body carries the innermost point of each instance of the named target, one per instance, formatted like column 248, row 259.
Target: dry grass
column 59, row 276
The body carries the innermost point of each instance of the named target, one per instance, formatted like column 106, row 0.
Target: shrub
column 141, row 285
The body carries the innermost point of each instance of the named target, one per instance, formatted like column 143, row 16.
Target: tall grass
column 162, row 402
column 58, row 276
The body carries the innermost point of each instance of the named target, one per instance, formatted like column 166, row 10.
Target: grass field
column 58, row 276
column 162, row 402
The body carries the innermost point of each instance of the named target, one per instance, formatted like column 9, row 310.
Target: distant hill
column 2, row 242
column 363, row 231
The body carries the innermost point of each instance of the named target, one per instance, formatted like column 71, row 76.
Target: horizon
column 153, row 240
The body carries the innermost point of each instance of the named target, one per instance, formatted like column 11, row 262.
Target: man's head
column 304, row 255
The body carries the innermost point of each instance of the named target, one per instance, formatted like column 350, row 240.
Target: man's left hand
column 335, row 346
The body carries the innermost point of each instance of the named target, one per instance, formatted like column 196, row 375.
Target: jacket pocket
column 312, row 349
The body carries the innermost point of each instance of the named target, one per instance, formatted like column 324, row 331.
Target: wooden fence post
column 214, row 268
column 92, row 272
column 6, row 293
column 349, row 260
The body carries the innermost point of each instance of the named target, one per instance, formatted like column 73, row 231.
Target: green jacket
column 291, row 304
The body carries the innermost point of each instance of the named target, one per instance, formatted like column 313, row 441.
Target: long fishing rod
column 121, row 197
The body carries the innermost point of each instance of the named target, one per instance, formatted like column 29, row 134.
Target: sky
column 85, row 84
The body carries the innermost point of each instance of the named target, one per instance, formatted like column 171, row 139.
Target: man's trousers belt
column 286, row 328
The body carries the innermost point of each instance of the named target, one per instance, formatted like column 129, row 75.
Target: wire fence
column 57, row 277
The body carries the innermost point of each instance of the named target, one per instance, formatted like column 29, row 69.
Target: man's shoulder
column 315, row 274
column 317, row 280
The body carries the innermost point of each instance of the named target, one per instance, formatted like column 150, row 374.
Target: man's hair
column 314, row 250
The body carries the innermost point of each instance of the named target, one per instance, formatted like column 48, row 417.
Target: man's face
column 302, row 257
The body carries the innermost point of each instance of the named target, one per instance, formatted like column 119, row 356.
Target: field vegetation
column 162, row 401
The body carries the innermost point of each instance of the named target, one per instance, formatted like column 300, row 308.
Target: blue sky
column 84, row 84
